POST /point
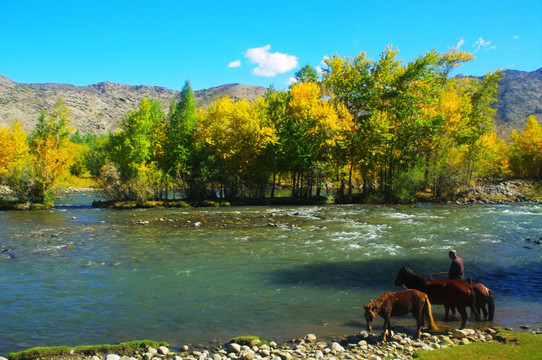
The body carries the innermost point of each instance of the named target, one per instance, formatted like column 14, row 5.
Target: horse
column 398, row 304
column 444, row 292
column 484, row 296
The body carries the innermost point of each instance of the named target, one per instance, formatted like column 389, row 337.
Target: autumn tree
column 526, row 150
column 38, row 169
column 388, row 100
column 314, row 127
column 234, row 134
column 14, row 150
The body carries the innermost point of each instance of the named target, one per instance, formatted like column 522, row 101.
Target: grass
column 249, row 340
column 126, row 348
column 511, row 345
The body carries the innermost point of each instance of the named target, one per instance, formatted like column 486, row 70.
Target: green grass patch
column 125, row 348
column 507, row 345
column 249, row 340
column 112, row 204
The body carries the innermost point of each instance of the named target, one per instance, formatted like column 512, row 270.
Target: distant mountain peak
column 98, row 108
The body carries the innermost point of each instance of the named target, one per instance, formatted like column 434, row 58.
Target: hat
column 452, row 252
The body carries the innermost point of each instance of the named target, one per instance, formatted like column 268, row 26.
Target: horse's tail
column 490, row 305
column 428, row 314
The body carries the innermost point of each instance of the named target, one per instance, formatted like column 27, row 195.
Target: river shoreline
column 485, row 192
column 400, row 345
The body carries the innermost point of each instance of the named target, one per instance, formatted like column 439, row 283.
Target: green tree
column 136, row 150
column 307, row 74
column 181, row 124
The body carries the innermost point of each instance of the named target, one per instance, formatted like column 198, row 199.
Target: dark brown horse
column 443, row 292
column 399, row 304
column 484, row 296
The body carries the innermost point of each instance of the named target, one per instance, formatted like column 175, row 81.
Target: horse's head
column 400, row 278
column 370, row 314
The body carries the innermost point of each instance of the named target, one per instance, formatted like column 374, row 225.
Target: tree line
column 372, row 129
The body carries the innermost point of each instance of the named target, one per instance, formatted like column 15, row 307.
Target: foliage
column 385, row 127
column 14, row 149
column 407, row 184
column 306, row 74
column 35, row 170
column 233, row 134
column 526, row 150
column 136, row 153
column 180, row 127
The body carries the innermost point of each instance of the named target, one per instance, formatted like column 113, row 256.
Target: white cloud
column 234, row 64
column 482, row 44
column 320, row 68
column 291, row 80
column 516, row 37
column 461, row 42
column 270, row 64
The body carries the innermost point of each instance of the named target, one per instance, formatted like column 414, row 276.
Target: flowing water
column 78, row 275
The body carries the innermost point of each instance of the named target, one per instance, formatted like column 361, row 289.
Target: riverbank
column 364, row 345
column 484, row 192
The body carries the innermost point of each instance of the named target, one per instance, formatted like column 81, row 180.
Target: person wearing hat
column 457, row 270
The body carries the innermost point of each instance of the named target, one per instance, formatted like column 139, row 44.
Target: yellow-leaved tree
column 14, row 149
column 526, row 150
column 233, row 133
column 39, row 167
column 316, row 128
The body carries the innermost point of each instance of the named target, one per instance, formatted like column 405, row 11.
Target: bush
column 407, row 184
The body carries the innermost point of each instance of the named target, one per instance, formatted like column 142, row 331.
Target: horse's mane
column 412, row 279
column 377, row 304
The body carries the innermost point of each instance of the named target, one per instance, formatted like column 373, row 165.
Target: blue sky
column 164, row 43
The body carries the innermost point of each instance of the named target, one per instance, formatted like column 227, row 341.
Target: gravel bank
column 360, row 346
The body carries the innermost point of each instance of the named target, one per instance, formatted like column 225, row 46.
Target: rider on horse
column 457, row 271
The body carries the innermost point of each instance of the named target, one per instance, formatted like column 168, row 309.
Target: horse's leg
column 491, row 306
column 419, row 320
column 385, row 330
column 484, row 310
column 474, row 309
column 450, row 308
column 463, row 312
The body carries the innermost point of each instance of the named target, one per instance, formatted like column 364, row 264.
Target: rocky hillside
column 520, row 95
column 98, row 108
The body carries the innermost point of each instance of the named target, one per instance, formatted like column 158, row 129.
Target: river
column 77, row 275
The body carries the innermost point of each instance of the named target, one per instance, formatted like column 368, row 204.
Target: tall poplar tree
column 182, row 121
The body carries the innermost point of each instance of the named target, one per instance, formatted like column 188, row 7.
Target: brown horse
column 398, row 304
column 484, row 296
column 444, row 292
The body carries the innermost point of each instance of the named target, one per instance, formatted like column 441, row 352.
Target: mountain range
column 99, row 108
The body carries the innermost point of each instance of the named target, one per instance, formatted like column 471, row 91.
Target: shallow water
column 194, row 275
